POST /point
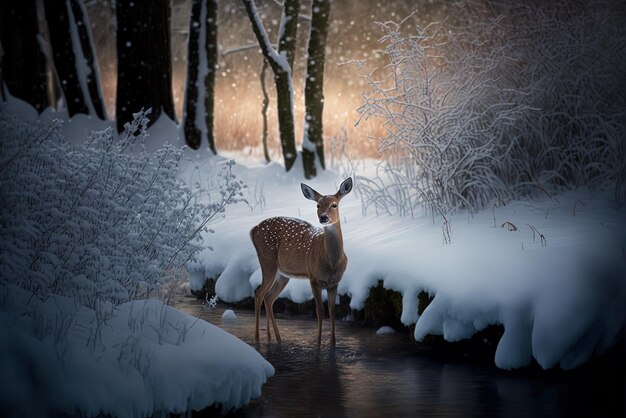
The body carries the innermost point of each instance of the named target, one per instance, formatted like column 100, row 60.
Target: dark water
column 389, row 376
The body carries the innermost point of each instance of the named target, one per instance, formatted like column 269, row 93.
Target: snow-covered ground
column 149, row 358
column 557, row 284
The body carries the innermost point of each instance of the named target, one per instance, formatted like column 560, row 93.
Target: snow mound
column 149, row 358
column 229, row 316
column 385, row 330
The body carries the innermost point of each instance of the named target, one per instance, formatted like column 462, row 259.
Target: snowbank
column 560, row 298
column 385, row 330
column 229, row 316
column 89, row 224
column 148, row 358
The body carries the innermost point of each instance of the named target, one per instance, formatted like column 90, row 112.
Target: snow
column 306, row 141
column 385, row 330
column 560, row 302
column 229, row 316
column 153, row 359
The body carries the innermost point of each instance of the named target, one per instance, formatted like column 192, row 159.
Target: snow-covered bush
column 102, row 222
column 568, row 58
column 504, row 101
column 86, row 230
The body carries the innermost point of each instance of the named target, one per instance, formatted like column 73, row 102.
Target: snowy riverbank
column 557, row 284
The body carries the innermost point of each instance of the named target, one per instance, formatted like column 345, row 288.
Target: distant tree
column 313, row 142
column 23, row 62
column 198, row 114
column 144, row 68
column 74, row 58
column 281, row 62
column 266, row 103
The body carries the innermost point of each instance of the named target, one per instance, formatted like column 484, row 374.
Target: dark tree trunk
column 286, row 125
column 314, row 89
column 200, row 91
column 63, row 56
column 89, row 54
column 209, row 78
column 289, row 30
column 284, row 82
column 266, row 103
column 23, row 62
column 282, row 70
column 74, row 59
column 144, row 68
column 193, row 133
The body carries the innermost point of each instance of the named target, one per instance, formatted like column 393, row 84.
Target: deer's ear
column 345, row 188
column 309, row 193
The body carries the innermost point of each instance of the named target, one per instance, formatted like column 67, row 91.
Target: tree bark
column 201, row 61
column 288, row 30
column 144, row 69
column 23, row 62
column 282, row 70
column 74, row 58
column 266, row 103
column 89, row 54
column 209, row 78
column 313, row 143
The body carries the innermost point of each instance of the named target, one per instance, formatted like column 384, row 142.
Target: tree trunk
column 266, row 103
column 313, row 142
column 211, row 63
column 89, row 54
column 144, row 68
column 23, row 62
column 201, row 62
column 288, row 30
column 282, row 70
column 286, row 125
column 74, row 59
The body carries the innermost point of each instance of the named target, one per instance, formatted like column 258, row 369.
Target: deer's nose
column 324, row 218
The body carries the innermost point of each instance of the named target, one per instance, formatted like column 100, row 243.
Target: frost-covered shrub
column 569, row 59
column 102, row 222
column 445, row 115
column 502, row 101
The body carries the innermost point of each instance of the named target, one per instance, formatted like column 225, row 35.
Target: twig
column 510, row 225
column 542, row 238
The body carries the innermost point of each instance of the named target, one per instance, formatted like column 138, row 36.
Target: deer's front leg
column 332, row 297
column 319, row 309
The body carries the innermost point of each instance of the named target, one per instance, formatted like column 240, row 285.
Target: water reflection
column 371, row 376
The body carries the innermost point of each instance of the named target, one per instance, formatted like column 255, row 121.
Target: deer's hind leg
column 269, row 268
column 279, row 284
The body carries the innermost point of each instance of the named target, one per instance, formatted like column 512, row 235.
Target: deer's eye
column 334, row 205
column 318, row 206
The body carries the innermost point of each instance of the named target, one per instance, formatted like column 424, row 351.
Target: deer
column 291, row 248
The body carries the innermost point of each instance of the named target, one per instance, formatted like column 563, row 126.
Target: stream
column 368, row 375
